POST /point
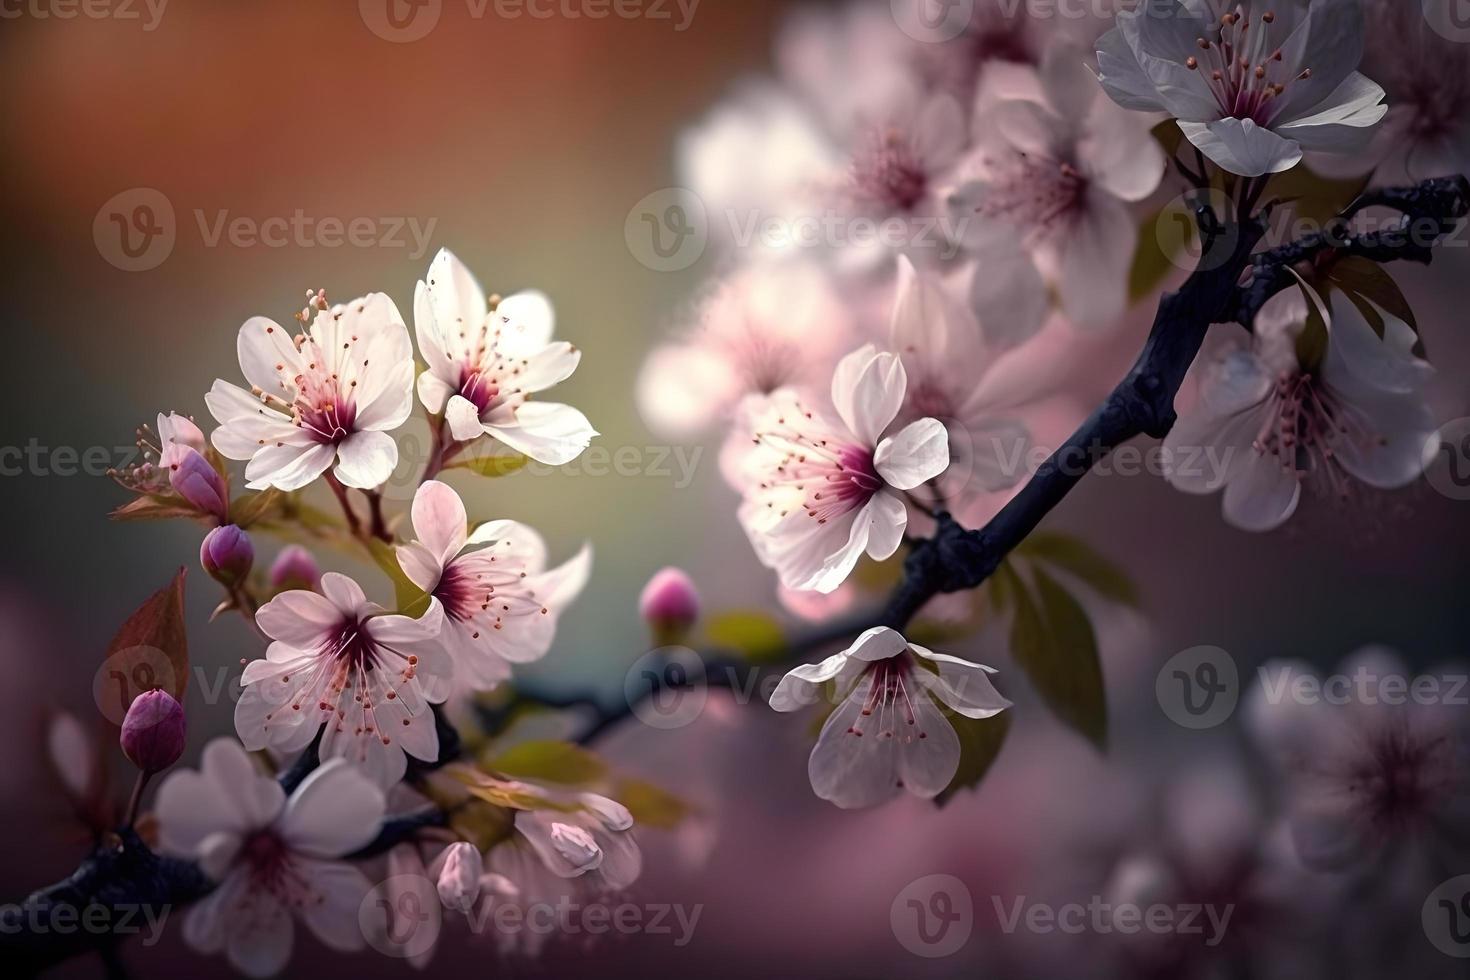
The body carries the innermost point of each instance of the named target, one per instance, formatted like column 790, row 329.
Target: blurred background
column 523, row 144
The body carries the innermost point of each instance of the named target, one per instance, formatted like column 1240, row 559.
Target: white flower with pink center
column 500, row 601
column 1269, row 423
column 486, row 364
column 1252, row 84
column 1044, row 199
column 345, row 663
column 889, row 734
column 274, row 859
column 820, row 491
column 332, row 392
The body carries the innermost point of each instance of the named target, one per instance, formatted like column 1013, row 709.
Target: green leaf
column 1054, row 645
column 1373, row 291
column 1077, row 558
column 1316, row 199
column 1311, row 343
column 150, row 651
column 492, row 464
column 980, row 743
column 751, row 633
column 651, row 806
column 410, row 599
column 549, row 761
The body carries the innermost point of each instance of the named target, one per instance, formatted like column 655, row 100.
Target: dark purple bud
column 669, row 604
column 294, row 568
column 227, row 555
column 200, row 484
column 153, row 731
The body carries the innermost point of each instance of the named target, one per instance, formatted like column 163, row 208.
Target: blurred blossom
column 272, row 858
column 501, row 603
column 815, row 607
column 1055, row 175
column 1254, row 88
column 1276, row 416
column 72, row 754
column 820, row 491
column 1374, row 774
column 294, row 568
column 762, row 328
column 459, row 876
column 162, row 452
column 669, row 604
column 888, row 735
column 152, row 735
column 485, row 364
column 331, row 393
column 227, row 555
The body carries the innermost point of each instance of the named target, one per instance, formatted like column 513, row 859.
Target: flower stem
column 354, row 524
column 375, row 509
column 137, row 798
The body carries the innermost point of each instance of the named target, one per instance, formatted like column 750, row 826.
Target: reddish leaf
column 150, row 650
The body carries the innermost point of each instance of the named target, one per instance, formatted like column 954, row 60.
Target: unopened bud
column 459, row 879
column 669, row 604
column 294, row 568
column 153, row 731
column 227, row 555
column 200, row 484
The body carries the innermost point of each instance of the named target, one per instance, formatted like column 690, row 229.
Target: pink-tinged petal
column 549, row 366
column 527, row 322
column 844, row 382
column 456, row 299
column 548, row 433
column 335, row 811
column 1262, row 493
column 886, row 517
column 268, row 357
column 875, row 396
column 848, row 769
column 960, row 684
column 1124, row 159
column 802, row 686
column 1095, row 260
column 341, row 890
column 684, row 388
column 434, row 392
column 206, row 925
column 928, row 750
column 878, row 643
column 345, row 594
column 390, row 406
column 622, row 860
column 1030, row 128
column 299, row 618
column 432, row 344
column 366, row 459
column 227, row 794
column 384, row 764
column 1121, row 76
column 560, row 586
column 1242, row 147
column 267, row 714
column 288, row 467
column 917, row 454
column 464, row 419
column 439, row 520
column 512, row 540
column 261, row 936
column 421, row 565
column 394, row 630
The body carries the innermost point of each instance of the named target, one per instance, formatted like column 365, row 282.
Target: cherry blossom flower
column 274, row 858
column 1274, row 422
column 486, row 364
column 1055, row 175
column 889, row 733
column 1369, row 764
column 500, row 601
column 818, row 491
column 333, row 392
column 341, row 661
column 1253, row 87
column 162, row 451
column 765, row 327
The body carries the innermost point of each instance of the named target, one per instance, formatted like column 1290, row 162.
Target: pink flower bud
column 669, row 604
column 177, row 435
column 294, row 568
column 153, row 731
column 200, row 484
column 227, row 554
column 459, row 878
